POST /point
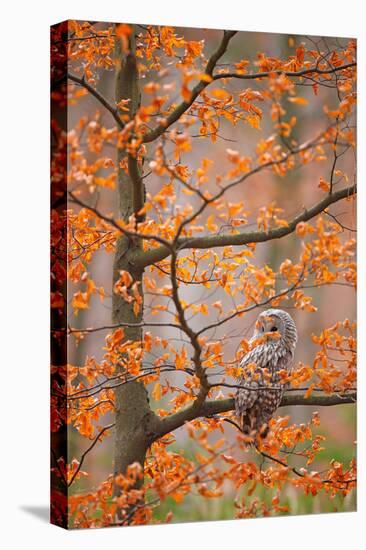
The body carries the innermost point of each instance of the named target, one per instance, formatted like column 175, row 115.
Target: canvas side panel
column 58, row 268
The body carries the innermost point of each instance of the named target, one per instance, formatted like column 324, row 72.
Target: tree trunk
column 132, row 404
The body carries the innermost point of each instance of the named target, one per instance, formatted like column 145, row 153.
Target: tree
column 175, row 98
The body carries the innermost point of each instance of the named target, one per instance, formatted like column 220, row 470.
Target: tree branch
column 98, row 96
column 211, row 407
column 227, row 239
column 182, row 107
column 113, row 222
column 192, row 335
column 90, row 448
column 303, row 72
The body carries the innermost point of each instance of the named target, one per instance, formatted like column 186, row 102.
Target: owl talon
column 263, row 432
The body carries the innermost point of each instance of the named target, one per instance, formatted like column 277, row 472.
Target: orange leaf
column 211, row 226
column 298, row 100
column 254, row 121
column 123, row 30
column 324, row 185
column 80, row 300
column 156, row 393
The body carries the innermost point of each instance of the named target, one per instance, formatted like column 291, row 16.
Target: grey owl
column 261, row 392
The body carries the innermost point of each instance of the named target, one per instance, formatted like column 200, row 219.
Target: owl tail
column 250, row 429
column 245, row 425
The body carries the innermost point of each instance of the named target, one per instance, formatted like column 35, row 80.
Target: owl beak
column 273, row 335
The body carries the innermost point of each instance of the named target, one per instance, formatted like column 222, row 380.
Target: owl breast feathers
column 261, row 390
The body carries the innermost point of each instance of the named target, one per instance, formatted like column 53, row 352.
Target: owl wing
column 248, row 394
column 269, row 401
column 252, row 384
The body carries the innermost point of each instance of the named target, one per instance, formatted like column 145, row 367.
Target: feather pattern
column 261, row 391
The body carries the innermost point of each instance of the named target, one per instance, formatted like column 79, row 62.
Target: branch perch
column 212, row 407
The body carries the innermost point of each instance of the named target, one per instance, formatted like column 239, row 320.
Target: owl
column 261, row 392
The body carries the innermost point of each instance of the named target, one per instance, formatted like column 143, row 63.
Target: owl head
column 277, row 326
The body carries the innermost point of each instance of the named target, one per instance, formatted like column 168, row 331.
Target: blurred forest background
column 333, row 303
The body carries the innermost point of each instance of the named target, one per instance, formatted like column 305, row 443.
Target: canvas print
column 203, row 274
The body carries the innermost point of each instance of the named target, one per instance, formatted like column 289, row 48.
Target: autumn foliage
column 171, row 179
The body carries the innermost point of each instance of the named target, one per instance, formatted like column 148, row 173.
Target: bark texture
column 133, row 413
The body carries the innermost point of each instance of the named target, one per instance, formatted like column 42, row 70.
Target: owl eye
column 274, row 329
